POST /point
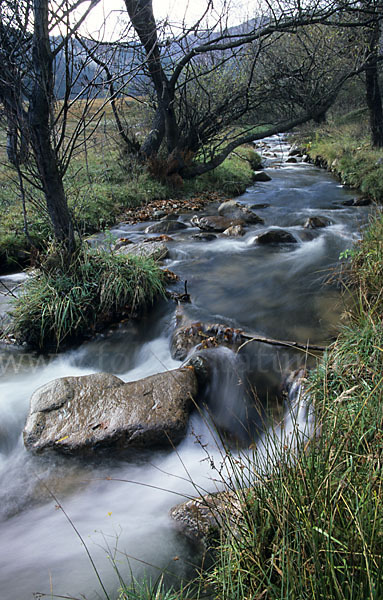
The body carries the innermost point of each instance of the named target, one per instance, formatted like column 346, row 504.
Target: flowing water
column 120, row 505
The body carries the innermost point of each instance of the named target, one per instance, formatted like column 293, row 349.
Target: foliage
column 61, row 302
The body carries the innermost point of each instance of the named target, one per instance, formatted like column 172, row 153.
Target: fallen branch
column 263, row 340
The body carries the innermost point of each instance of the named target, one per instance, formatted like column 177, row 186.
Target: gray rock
column 156, row 250
column 261, row 176
column 234, row 231
column 201, row 519
column 276, row 236
column 234, row 210
column 291, row 160
column 77, row 415
column 215, row 223
column 316, row 222
column 165, row 227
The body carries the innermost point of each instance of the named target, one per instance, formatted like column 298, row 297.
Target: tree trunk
column 40, row 111
column 165, row 122
column 373, row 95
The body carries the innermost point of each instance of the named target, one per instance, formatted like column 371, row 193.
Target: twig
column 272, row 342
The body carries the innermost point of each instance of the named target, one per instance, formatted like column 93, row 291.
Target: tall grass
column 63, row 302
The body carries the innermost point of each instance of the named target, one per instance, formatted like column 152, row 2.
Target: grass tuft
column 60, row 303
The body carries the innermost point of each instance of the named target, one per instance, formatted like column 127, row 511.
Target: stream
column 120, row 505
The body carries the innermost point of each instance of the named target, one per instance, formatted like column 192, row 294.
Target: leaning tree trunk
column 40, row 111
column 373, row 94
column 165, row 122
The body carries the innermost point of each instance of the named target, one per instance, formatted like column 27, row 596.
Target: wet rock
column 316, row 222
column 202, row 336
column 205, row 236
column 165, row 227
column 259, row 206
column 234, row 210
column 234, row 231
column 295, row 152
column 291, row 160
column 215, row 223
column 276, row 236
column 202, row 367
column 156, row 250
column 357, row 202
column 77, row 415
column 261, row 176
column 201, row 519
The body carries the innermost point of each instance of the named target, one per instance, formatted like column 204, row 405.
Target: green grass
column 61, row 303
column 345, row 146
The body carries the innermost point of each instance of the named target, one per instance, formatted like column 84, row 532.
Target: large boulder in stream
column 77, row 415
column 234, row 210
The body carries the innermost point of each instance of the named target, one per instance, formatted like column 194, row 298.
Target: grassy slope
column 346, row 148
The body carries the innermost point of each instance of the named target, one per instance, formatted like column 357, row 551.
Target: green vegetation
column 345, row 146
column 63, row 302
column 100, row 186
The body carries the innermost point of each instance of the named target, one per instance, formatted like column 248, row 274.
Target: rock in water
column 316, row 222
column 165, row 227
column 156, row 250
column 276, row 236
column 201, row 519
column 261, row 176
column 78, row 415
column 202, row 336
column 215, row 223
column 234, row 231
column 234, row 210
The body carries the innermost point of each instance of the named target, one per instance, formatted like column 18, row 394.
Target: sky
column 112, row 12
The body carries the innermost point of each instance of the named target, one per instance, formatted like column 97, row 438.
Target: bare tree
column 40, row 144
column 210, row 82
